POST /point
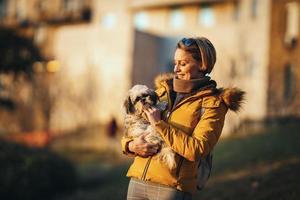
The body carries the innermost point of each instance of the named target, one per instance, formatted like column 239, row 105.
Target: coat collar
column 232, row 97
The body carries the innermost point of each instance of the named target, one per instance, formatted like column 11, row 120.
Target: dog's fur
column 136, row 122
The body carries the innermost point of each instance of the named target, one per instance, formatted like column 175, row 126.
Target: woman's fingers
column 148, row 149
column 152, row 148
column 143, row 136
column 147, row 108
column 143, row 148
column 153, row 114
column 146, row 111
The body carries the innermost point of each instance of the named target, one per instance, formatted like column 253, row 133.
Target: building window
column 67, row 5
column 254, row 8
column 71, row 6
column 177, row 18
column 292, row 24
column 109, row 20
column 250, row 66
column 289, row 82
column 236, row 10
column 141, row 20
column 233, row 71
column 2, row 8
column 206, row 16
column 21, row 10
column 42, row 5
column 40, row 35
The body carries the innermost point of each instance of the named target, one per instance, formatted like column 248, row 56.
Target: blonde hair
column 202, row 51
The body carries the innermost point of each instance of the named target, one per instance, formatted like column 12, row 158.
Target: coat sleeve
column 124, row 144
column 203, row 139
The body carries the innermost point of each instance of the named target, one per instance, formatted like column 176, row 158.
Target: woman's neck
column 187, row 86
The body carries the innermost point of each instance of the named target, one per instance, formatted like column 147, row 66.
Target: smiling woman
column 186, row 67
column 190, row 125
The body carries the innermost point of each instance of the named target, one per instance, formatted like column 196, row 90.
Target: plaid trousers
column 142, row 190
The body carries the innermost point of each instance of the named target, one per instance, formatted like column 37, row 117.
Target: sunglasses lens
column 187, row 42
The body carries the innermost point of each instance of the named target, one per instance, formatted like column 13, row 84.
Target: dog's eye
column 136, row 100
column 145, row 95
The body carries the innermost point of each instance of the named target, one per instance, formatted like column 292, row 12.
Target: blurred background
column 66, row 66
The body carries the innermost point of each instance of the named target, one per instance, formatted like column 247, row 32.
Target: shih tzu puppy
column 136, row 122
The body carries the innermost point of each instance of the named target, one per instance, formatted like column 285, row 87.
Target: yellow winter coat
column 188, row 134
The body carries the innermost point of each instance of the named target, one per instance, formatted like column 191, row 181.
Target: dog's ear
column 128, row 106
column 153, row 97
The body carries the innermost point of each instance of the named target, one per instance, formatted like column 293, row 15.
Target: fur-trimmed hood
column 233, row 97
column 159, row 79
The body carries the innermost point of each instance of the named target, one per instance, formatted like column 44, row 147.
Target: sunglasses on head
column 188, row 41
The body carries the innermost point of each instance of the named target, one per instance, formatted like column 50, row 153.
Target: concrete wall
column 152, row 55
column 281, row 54
column 253, row 46
column 95, row 67
column 43, row 10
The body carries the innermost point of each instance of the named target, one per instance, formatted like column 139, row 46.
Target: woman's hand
column 141, row 147
column 153, row 114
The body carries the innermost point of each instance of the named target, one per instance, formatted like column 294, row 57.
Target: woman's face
column 186, row 67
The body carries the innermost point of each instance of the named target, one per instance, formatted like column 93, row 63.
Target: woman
column 191, row 126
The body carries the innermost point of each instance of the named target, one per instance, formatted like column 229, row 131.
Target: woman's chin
column 182, row 77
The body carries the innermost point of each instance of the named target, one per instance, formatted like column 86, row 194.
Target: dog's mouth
column 142, row 107
column 146, row 105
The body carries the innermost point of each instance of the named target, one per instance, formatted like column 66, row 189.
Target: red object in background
column 39, row 139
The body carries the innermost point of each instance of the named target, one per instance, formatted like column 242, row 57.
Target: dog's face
column 139, row 97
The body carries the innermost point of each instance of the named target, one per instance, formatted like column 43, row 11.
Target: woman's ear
column 129, row 108
column 201, row 73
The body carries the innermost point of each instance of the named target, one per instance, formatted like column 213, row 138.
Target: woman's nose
column 176, row 68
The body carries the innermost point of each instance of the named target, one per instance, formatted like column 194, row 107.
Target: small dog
column 136, row 122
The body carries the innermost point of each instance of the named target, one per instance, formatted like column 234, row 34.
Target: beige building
column 96, row 59
column 256, row 42
column 284, row 63
column 103, row 47
column 88, row 46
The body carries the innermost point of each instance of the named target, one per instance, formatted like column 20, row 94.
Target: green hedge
column 30, row 174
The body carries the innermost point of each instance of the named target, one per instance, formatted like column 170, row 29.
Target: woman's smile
column 186, row 67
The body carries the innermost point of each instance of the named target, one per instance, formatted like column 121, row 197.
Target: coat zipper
column 146, row 168
column 149, row 160
column 168, row 116
column 179, row 166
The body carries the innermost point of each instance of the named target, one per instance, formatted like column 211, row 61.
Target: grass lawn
column 259, row 166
